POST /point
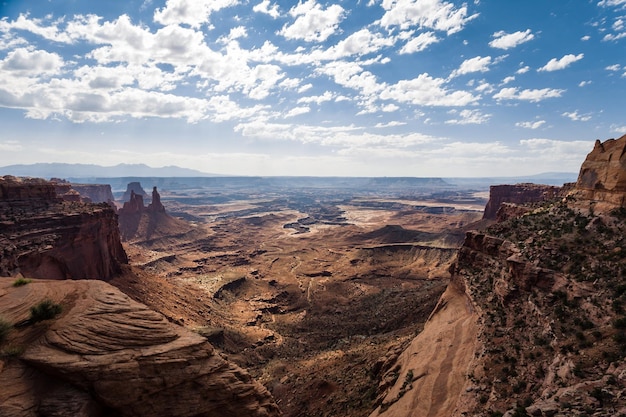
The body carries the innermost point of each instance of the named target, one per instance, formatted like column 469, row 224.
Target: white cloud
column 612, row 3
column 532, row 95
column 614, row 67
column 426, row 91
column 190, row 12
column 390, row 124
column 430, row 14
column 267, row 8
column 327, row 96
column 296, row 111
column 505, row 40
column 11, row 146
column 577, row 117
column 585, row 38
column 24, row 62
column 620, row 129
column 476, row 64
column 467, row 117
column 584, row 83
column 531, row 125
column 559, row 64
column 42, row 27
column 508, row 79
column 419, row 43
column 523, row 70
column 313, row 24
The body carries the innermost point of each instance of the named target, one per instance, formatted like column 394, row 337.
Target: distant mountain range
column 60, row 170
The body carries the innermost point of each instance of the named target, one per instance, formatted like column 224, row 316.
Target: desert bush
column 21, row 281
column 5, row 328
column 45, row 310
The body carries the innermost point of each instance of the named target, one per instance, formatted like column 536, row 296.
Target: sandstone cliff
column 534, row 319
column 602, row 177
column 43, row 236
column 133, row 188
column 106, row 354
column 517, row 194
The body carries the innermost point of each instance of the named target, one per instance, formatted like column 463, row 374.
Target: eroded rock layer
column 106, row 353
column 517, row 194
column 602, row 176
column 44, row 236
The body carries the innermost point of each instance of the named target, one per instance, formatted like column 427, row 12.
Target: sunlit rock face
column 602, row 177
column 106, row 355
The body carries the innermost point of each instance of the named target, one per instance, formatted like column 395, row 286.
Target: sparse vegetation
column 5, row 328
column 45, row 310
column 21, row 281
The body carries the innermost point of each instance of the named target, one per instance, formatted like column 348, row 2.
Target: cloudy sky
column 354, row 88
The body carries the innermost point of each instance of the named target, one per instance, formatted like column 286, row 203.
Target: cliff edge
column 43, row 236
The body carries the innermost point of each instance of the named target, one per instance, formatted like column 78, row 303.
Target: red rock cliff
column 602, row 177
column 43, row 236
column 517, row 194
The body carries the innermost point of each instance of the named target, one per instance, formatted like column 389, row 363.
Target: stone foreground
column 107, row 354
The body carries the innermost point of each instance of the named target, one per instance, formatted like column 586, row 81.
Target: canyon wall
column 602, row 177
column 517, row 194
column 43, row 236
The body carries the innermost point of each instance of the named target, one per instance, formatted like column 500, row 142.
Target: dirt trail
column 434, row 368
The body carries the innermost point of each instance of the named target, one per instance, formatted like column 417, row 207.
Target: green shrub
column 45, row 310
column 5, row 328
column 21, row 281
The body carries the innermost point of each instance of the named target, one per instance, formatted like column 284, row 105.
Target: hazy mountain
column 61, row 170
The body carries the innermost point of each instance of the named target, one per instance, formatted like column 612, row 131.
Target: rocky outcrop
column 106, row 354
column 97, row 193
column 134, row 188
column 602, row 177
column 43, row 236
column 517, row 194
column 156, row 205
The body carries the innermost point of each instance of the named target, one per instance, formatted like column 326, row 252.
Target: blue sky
column 346, row 88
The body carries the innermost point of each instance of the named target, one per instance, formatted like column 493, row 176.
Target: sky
column 424, row 88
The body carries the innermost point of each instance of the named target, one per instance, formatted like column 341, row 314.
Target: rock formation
column 97, row 193
column 106, row 354
column 43, row 236
column 602, row 177
column 156, row 205
column 517, row 194
column 136, row 188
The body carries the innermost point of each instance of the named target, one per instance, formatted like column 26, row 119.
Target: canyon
column 392, row 297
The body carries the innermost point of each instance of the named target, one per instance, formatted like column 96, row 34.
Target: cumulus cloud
column 476, row 64
column 419, row 43
column 267, row 8
column 190, row 12
column 296, row 111
column 532, row 95
column 577, row 117
column 22, row 61
column 467, row 117
column 559, row 64
column 431, row 14
column 426, row 91
column 531, row 125
column 313, row 24
column 503, row 40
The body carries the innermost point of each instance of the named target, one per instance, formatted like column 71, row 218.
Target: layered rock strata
column 602, row 176
column 43, row 236
column 106, row 354
column 517, row 194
